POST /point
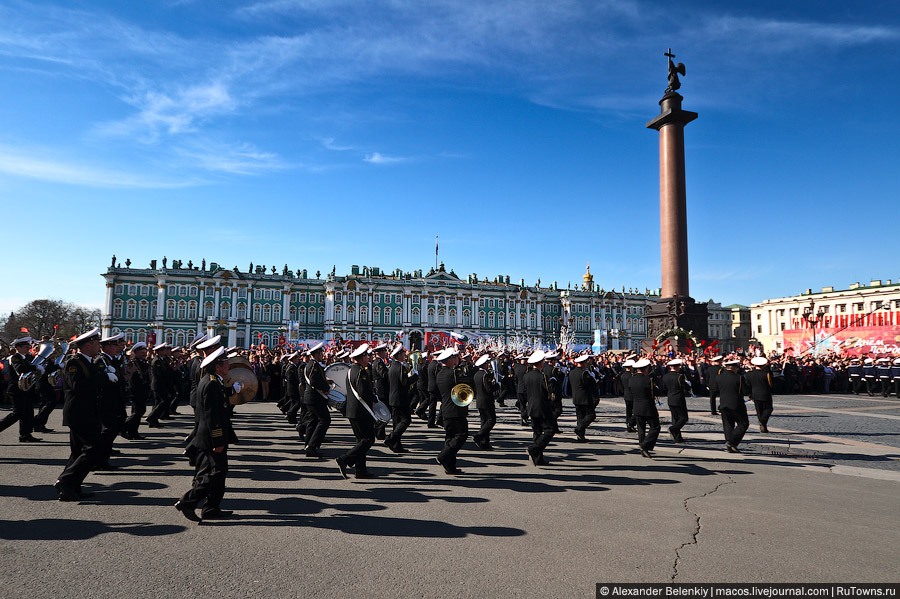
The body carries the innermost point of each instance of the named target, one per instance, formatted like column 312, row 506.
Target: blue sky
column 335, row 132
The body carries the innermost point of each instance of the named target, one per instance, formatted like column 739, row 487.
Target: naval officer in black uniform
column 760, row 381
column 675, row 385
column 318, row 418
column 486, row 390
column 22, row 400
column 455, row 416
column 81, row 413
column 360, row 399
column 732, row 389
column 585, row 395
column 539, row 407
column 401, row 386
column 210, row 441
column 646, row 416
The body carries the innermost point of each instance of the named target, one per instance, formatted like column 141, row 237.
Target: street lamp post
column 812, row 318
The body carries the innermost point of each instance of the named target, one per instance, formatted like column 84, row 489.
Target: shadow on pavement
column 64, row 529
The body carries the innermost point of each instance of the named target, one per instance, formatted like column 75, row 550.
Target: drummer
column 315, row 397
column 360, row 398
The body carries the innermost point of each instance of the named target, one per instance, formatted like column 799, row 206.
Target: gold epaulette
column 216, row 432
column 213, row 377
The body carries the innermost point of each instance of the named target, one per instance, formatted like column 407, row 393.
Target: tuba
column 27, row 380
column 56, row 376
column 462, row 395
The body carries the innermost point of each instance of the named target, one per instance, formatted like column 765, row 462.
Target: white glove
column 237, row 386
column 40, row 368
column 112, row 377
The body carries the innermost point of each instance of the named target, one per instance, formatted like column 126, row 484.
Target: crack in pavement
column 696, row 516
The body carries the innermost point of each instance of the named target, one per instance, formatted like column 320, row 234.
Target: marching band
column 380, row 387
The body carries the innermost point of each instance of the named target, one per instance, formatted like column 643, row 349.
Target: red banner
column 853, row 341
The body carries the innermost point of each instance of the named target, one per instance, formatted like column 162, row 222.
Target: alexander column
column 675, row 308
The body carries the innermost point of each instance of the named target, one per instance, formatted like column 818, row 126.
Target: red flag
column 23, row 330
column 56, row 326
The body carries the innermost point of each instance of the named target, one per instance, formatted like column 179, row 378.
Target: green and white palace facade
column 176, row 302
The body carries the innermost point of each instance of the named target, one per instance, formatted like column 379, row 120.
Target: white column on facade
column 537, row 307
column 160, row 299
column 232, row 334
column 110, row 285
column 404, row 299
column 343, row 306
column 286, row 303
column 201, row 301
column 476, row 320
column 216, row 303
column 233, row 314
column 250, row 292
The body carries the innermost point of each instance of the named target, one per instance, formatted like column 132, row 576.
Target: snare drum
column 337, row 401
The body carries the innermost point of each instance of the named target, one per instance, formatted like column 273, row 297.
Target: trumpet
column 462, row 395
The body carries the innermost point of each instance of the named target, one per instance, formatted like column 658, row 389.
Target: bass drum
column 240, row 370
column 337, row 373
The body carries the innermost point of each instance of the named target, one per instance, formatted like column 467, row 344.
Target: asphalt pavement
column 814, row 501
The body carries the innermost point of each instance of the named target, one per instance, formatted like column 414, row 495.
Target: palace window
column 144, row 310
column 132, row 289
column 452, row 317
column 398, row 316
column 170, row 309
column 467, row 318
column 130, row 310
column 242, row 310
column 431, row 316
column 376, row 315
column 182, row 290
column 491, row 319
column 224, row 310
column 117, row 309
column 416, row 316
column 267, row 313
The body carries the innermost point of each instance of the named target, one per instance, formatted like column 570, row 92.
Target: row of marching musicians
column 455, row 380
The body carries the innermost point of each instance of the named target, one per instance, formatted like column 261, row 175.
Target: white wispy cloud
column 378, row 158
column 243, row 159
column 46, row 168
column 779, row 36
column 329, row 144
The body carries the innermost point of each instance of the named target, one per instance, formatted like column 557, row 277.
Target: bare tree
column 49, row 317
